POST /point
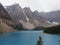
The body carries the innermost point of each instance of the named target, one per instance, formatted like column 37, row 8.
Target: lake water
column 28, row 38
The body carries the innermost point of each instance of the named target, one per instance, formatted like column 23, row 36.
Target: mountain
column 16, row 13
column 18, row 16
column 53, row 16
column 5, row 21
column 25, row 16
column 5, row 17
column 3, row 13
column 34, row 17
column 37, row 16
column 27, row 11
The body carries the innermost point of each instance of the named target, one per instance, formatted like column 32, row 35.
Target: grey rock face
column 16, row 12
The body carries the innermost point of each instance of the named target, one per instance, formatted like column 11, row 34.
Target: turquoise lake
column 28, row 38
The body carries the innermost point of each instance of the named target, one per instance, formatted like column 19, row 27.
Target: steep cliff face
column 3, row 13
column 16, row 13
column 28, row 13
column 5, row 17
column 5, row 20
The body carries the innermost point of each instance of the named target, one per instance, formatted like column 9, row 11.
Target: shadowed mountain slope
column 5, row 28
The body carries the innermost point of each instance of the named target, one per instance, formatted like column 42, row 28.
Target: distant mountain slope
column 52, row 16
column 38, row 17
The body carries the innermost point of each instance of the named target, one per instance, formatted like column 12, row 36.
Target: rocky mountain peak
column 14, row 6
column 3, row 13
column 36, row 11
column 27, row 9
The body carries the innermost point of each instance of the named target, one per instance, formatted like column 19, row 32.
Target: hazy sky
column 40, row 5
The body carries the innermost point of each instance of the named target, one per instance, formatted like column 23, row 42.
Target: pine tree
column 39, row 42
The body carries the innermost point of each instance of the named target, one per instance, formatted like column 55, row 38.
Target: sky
column 40, row 5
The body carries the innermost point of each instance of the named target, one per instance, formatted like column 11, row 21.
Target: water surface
column 29, row 38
